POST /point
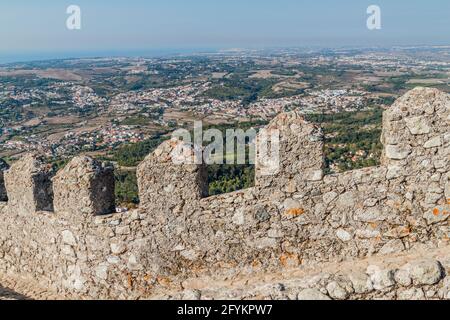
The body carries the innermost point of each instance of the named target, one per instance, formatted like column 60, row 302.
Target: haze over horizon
column 32, row 30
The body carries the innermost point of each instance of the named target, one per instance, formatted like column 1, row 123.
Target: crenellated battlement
column 61, row 229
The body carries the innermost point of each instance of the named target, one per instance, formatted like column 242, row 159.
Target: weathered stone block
column 425, row 272
column 397, row 152
column 84, row 186
column 169, row 178
column 417, row 125
column 381, row 278
column 433, row 143
column 28, row 184
column 300, row 154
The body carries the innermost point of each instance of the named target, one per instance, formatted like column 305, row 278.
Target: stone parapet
column 297, row 216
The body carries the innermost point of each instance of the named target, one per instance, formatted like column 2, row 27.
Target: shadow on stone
column 8, row 294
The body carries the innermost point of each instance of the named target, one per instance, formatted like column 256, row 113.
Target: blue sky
column 30, row 26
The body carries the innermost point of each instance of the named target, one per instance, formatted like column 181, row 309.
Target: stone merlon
column 84, row 186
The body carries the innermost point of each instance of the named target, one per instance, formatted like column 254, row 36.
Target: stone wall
column 421, row 275
column 296, row 217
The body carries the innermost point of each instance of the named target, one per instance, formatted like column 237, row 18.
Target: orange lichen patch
column 289, row 260
column 436, row 211
column 295, row 212
column 448, row 201
column 373, row 225
column 163, row 281
column 147, row 278
column 256, row 264
column 130, row 280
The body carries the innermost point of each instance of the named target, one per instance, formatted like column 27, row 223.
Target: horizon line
column 39, row 56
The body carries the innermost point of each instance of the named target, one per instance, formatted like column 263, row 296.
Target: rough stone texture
column 28, row 184
column 3, row 167
column 325, row 281
column 381, row 278
column 169, row 187
column 425, row 272
column 20, row 288
column 295, row 218
column 301, row 154
column 84, row 186
column 312, row 294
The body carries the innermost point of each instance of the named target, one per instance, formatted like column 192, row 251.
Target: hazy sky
column 30, row 26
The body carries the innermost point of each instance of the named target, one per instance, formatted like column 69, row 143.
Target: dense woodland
column 348, row 134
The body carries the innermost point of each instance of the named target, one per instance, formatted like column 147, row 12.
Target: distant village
column 181, row 98
column 86, row 119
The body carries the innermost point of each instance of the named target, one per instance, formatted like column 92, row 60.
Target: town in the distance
column 119, row 109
